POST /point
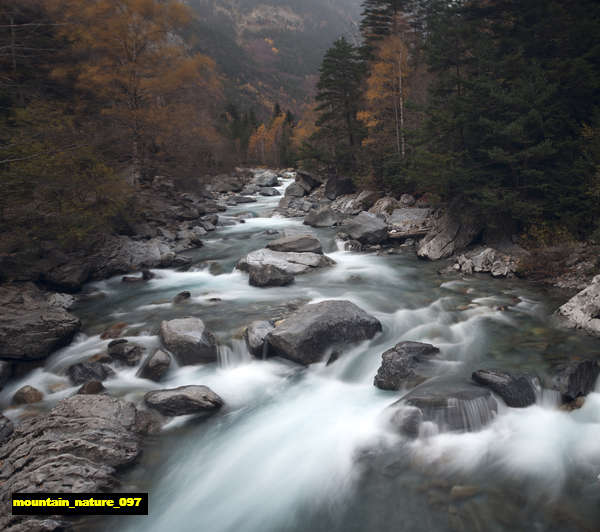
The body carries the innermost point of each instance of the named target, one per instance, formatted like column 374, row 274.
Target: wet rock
column 114, row 331
column 182, row 297
column 322, row 217
column 295, row 190
column 6, row 428
column 575, row 379
column 447, row 237
column 255, row 337
column 79, row 446
column 30, row 327
column 27, row 395
column 308, row 333
column 461, row 408
column 582, row 311
column 184, row 400
column 155, row 367
column 91, row 388
column 243, row 199
column 517, row 391
column 269, row 192
column 307, row 181
column 189, row 341
column 89, row 371
column 338, row 186
column 303, row 243
column 410, row 222
column 125, row 352
column 266, row 178
column 292, row 263
column 405, row 364
column 268, row 275
column 366, row 228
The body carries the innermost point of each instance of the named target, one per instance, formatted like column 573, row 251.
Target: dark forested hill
column 270, row 50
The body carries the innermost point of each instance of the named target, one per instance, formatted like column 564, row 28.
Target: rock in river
column 27, row 395
column 125, row 352
column 184, row 400
column 89, row 371
column 30, row 327
column 76, row 447
column 267, row 275
column 306, row 335
column 575, row 379
column 517, row 391
column 367, row 228
column 155, row 366
column 405, row 364
column 189, row 341
column 304, row 243
column 449, row 235
column 294, row 263
column 255, row 336
column 322, row 217
column 582, row 311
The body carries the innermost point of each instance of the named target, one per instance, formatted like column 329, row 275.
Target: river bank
column 475, row 322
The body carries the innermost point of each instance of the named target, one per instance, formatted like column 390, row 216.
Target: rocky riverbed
column 291, row 347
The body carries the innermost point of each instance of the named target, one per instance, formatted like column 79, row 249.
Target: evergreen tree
column 338, row 98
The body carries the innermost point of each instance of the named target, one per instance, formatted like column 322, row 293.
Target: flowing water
column 307, row 449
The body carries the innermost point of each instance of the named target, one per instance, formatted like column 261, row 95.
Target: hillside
column 271, row 51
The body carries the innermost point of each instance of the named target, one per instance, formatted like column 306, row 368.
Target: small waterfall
column 234, row 354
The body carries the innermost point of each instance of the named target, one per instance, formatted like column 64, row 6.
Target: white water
column 308, row 449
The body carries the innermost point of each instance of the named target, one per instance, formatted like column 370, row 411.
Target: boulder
column 155, row 366
column 91, row 388
column 31, row 327
column 384, row 206
column 27, row 395
column 447, row 237
column 405, row 364
column 269, row 192
column 77, row 447
column 189, row 341
column 114, row 331
column 182, row 297
column 307, row 181
column 575, row 379
column 461, row 408
column 267, row 275
column 184, row 400
column 338, row 186
column 295, row 190
column 250, row 189
column 352, row 204
column 322, row 217
column 6, row 428
column 517, row 391
column 410, row 222
column 307, row 334
column 302, row 243
column 125, row 352
column 243, row 199
column 366, row 228
column 582, row 311
column 293, row 263
column 89, row 371
column 67, row 277
column 265, row 178
column 255, row 337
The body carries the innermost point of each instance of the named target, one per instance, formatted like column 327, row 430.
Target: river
column 307, row 449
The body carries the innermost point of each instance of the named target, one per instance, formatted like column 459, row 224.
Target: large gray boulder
column 184, row 400
column 307, row 180
column 575, row 379
column 352, row 204
column 302, row 243
column 582, row 311
column 268, row 275
column 265, row 178
column 366, row 228
column 517, row 391
column 189, row 341
column 79, row 446
column 155, row 366
column 31, row 326
column 323, row 217
column 293, row 263
column 306, row 335
column 89, row 371
column 295, row 190
column 338, row 186
column 410, row 222
column 255, row 336
column 405, row 364
column 269, row 192
column 447, row 237
column 384, row 206
column 455, row 408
